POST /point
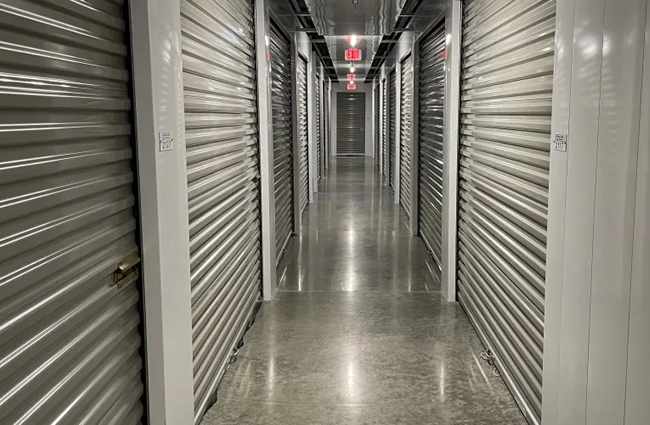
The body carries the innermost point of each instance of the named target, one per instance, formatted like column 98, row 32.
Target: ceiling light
column 351, row 70
column 353, row 40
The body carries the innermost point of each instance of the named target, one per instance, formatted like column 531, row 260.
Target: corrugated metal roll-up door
column 377, row 110
column 384, row 129
column 507, row 67
column 70, row 345
column 431, row 121
column 351, row 124
column 223, row 174
column 301, row 75
column 326, row 123
column 392, row 112
column 406, row 107
column 282, row 138
column 319, row 134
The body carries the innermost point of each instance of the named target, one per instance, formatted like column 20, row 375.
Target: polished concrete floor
column 358, row 332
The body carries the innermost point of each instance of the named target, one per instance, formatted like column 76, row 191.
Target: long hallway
column 358, row 332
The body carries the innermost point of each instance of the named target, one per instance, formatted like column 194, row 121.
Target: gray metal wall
column 69, row 334
column 219, row 77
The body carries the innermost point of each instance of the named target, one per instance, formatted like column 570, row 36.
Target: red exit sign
column 353, row 55
column 352, row 77
column 352, row 86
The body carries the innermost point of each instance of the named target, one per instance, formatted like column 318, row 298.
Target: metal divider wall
column 392, row 143
column 384, row 130
column 319, row 133
column 506, row 91
column 69, row 325
column 301, row 75
column 351, row 124
column 406, row 108
column 282, row 138
column 431, row 119
column 223, row 182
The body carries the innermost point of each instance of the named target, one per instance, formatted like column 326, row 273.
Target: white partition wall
column 598, row 292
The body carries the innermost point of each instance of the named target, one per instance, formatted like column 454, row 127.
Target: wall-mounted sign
column 165, row 141
column 352, row 86
column 353, row 55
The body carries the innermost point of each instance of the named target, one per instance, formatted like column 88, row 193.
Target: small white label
column 165, row 141
column 560, row 142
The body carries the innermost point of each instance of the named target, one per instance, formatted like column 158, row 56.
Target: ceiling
column 337, row 45
column 377, row 24
column 369, row 20
column 344, row 17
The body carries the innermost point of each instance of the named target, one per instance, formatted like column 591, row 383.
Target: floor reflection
column 359, row 332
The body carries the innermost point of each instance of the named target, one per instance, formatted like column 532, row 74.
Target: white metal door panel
column 351, row 124
column 507, row 80
column 70, row 345
column 392, row 111
column 282, row 138
column 431, row 121
column 223, row 175
column 303, row 140
column 406, row 108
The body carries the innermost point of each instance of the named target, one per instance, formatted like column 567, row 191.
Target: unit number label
column 165, row 141
column 560, row 142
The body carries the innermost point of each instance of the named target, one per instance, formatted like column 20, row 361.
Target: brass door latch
column 126, row 271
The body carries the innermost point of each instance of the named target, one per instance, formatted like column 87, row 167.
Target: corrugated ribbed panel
column 377, row 133
column 507, row 80
column 301, row 75
column 282, row 138
column 406, row 108
column 384, row 128
column 319, row 135
column 69, row 337
column 223, row 174
column 431, row 121
column 326, row 122
column 350, row 124
column 392, row 112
